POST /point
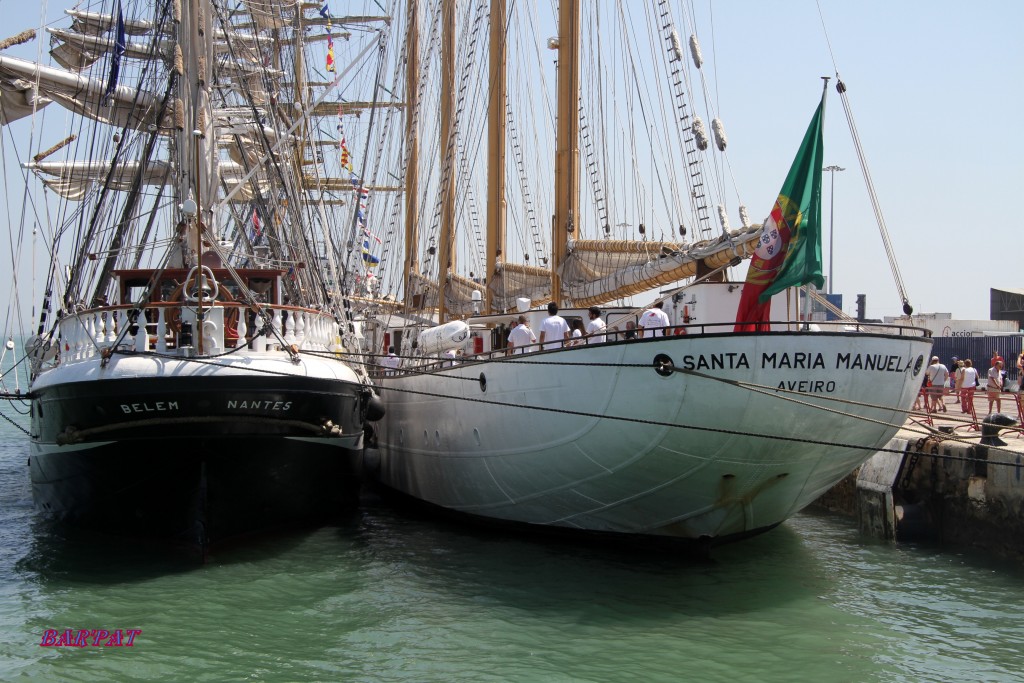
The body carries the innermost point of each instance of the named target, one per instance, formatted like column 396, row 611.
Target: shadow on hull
column 195, row 493
column 659, row 546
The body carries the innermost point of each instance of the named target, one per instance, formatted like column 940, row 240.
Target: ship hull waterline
column 752, row 429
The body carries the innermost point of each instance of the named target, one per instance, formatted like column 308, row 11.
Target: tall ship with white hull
column 740, row 409
column 189, row 371
column 706, row 436
column 738, row 412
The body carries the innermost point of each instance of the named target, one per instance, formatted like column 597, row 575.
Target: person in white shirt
column 554, row 331
column 938, row 374
column 653, row 318
column 521, row 337
column 595, row 328
column 995, row 386
column 577, row 333
column 391, row 362
column 968, row 385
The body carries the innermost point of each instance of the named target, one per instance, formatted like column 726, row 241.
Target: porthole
column 663, row 365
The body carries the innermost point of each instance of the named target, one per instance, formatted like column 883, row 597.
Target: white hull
column 585, row 439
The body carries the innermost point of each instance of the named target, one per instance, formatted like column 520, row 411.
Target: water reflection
column 543, row 574
column 59, row 554
column 388, row 596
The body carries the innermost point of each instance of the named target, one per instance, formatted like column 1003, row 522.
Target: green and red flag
column 788, row 253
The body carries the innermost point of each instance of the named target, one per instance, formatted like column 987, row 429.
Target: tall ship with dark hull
column 190, row 362
column 712, row 408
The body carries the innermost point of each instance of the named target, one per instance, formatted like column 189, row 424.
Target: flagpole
column 832, row 221
column 807, row 286
column 807, row 308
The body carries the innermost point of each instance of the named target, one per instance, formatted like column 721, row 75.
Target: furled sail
column 598, row 271
column 95, row 23
column 18, row 99
column 77, row 51
column 515, row 281
column 458, row 293
column 126, row 107
column 74, row 179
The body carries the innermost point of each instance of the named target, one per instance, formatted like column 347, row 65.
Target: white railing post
column 242, row 329
column 316, row 336
column 289, row 327
column 95, row 334
column 109, row 328
column 161, row 330
column 334, row 344
column 276, row 324
column 301, row 318
column 141, row 333
column 122, row 325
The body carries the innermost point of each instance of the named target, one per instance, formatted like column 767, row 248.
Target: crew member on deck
column 521, row 337
column 653, row 318
column 391, row 362
column 554, row 331
column 595, row 328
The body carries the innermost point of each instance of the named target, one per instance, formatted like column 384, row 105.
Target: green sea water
column 392, row 597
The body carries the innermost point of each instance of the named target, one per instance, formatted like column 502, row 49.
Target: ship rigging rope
column 13, row 367
column 866, row 172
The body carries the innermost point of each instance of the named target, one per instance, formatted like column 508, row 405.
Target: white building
column 943, row 325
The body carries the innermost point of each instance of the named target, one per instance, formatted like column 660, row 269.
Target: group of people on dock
column 962, row 380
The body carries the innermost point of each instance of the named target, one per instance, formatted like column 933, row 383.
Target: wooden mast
column 412, row 179
column 446, row 252
column 496, row 148
column 567, row 151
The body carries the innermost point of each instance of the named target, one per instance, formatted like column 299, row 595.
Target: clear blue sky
column 935, row 88
column 935, row 92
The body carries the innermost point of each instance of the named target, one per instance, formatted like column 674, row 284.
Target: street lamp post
column 832, row 222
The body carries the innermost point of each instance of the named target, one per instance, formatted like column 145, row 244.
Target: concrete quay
column 937, row 480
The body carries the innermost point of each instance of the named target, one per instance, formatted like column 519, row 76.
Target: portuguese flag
column 789, row 251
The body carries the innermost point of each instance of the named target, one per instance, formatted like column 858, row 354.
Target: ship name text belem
column 168, row 406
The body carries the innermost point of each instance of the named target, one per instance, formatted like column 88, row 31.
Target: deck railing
column 226, row 326
column 431, row 364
